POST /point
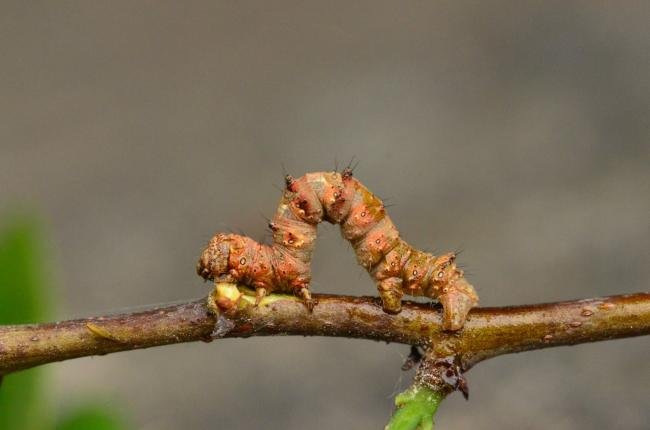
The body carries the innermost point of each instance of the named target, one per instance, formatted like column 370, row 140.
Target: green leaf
column 21, row 272
column 415, row 409
column 21, row 300
column 91, row 418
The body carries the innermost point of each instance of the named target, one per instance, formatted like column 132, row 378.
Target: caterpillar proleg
column 396, row 267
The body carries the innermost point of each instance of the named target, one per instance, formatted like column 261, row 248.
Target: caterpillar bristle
column 352, row 165
column 267, row 219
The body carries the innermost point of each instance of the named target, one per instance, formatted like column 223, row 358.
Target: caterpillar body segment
column 338, row 198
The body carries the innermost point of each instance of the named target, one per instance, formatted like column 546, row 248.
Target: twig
column 488, row 332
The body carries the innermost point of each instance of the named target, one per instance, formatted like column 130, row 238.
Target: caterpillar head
column 213, row 262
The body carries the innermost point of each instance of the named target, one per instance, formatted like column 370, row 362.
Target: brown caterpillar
column 338, row 198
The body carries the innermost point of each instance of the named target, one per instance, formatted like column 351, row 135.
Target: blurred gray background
column 516, row 131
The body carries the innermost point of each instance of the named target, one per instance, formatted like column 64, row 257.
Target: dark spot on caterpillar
column 441, row 274
column 288, row 181
column 415, row 273
column 273, row 226
column 242, row 261
column 363, row 214
column 347, row 173
column 378, row 241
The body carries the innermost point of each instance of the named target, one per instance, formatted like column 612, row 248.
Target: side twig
column 488, row 332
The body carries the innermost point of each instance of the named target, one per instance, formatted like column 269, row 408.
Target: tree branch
column 488, row 332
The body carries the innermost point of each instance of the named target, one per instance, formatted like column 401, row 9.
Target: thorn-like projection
column 101, row 332
column 463, row 387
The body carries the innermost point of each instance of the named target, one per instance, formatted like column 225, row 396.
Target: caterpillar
column 339, row 198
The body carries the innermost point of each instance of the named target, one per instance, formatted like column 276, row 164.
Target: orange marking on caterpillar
column 339, row 198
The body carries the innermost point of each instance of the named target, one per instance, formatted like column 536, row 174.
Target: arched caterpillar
column 339, row 198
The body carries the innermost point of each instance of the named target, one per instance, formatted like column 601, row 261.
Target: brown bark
column 487, row 333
